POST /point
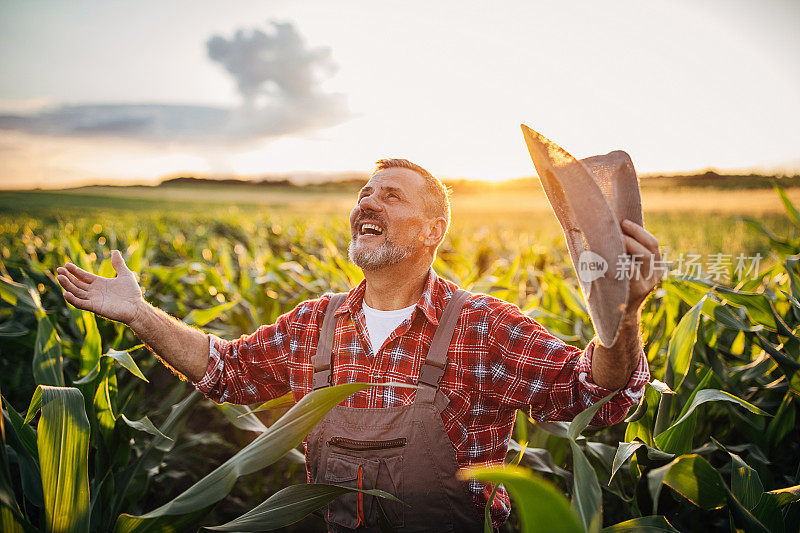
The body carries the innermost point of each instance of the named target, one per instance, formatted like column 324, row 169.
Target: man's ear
column 436, row 230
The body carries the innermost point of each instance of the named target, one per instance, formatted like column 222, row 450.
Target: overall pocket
column 384, row 472
column 350, row 509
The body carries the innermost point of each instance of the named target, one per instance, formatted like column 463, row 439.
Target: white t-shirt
column 381, row 324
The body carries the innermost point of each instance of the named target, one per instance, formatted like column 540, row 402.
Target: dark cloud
column 277, row 75
column 144, row 122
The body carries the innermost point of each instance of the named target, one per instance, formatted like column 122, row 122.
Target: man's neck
column 395, row 287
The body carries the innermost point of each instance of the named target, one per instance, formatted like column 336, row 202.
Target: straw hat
column 590, row 198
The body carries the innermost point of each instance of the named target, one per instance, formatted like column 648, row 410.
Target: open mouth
column 369, row 228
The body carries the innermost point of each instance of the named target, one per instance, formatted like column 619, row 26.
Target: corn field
column 99, row 436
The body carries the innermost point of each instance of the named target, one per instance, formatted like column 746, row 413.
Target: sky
column 130, row 92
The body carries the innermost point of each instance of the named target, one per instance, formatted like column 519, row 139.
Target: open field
column 491, row 198
column 230, row 259
column 686, row 219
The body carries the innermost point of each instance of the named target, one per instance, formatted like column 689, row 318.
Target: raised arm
column 180, row 346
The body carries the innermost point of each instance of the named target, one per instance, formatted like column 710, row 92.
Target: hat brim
column 589, row 224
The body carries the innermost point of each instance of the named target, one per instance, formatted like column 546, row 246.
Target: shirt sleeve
column 252, row 368
column 537, row 372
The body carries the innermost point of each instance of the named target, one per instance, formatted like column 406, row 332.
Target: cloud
column 278, row 76
column 148, row 122
column 279, row 65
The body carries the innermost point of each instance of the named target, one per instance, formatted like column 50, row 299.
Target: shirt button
column 375, row 376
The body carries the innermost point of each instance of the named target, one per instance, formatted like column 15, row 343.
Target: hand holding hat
column 644, row 246
column 598, row 204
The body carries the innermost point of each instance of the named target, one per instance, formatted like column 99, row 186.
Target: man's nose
column 369, row 203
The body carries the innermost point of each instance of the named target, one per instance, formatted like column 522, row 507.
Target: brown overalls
column 402, row 450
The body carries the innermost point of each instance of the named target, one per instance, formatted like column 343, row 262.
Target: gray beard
column 387, row 254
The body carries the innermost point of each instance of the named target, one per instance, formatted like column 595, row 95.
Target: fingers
column 75, row 281
column 75, row 301
column 638, row 233
column 641, row 257
column 118, row 263
column 72, row 288
column 80, row 273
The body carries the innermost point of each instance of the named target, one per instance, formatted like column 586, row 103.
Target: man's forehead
column 395, row 178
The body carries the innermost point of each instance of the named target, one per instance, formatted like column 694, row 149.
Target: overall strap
column 436, row 360
column 323, row 359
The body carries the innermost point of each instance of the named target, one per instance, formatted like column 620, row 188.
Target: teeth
column 367, row 226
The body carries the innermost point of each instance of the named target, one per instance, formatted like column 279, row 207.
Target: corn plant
column 96, row 432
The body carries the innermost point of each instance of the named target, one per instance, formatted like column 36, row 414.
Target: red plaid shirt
column 500, row 360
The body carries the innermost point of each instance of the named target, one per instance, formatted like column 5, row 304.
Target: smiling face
column 389, row 224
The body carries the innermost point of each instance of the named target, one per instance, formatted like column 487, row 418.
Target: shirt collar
column 425, row 303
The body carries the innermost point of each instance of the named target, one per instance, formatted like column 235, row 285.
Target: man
column 477, row 360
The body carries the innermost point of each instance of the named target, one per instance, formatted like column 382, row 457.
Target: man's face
column 388, row 220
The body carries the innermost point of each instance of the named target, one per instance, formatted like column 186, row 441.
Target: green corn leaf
column 625, row 451
column 77, row 253
column 284, row 435
column 13, row 329
column 756, row 305
column 106, row 269
column 123, row 357
column 144, row 424
column 201, row 317
column 290, row 505
column 487, row 509
column 539, row 459
column 784, row 420
column 768, row 513
column 168, row 275
column 34, row 406
column 47, row 360
column 104, row 399
column 681, row 344
column 744, row 520
column 25, row 433
column 639, row 412
column 136, row 251
column 688, row 290
column 542, row 508
column 642, row 428
column 281, row 401
column 695, row 479
column 19, row 295
column 645, row 524
column 587, row 497
column 786, row 495
column 794, row 284
column 745, row 482
column 677, row 439
column 242, row 417
column 582, row 419
column 63, row 446
column 723, row 314
column 791, row 210
column 92, row 344
column 159, row 445
column 787, row 364
column 714, row 395
column 11, row 517
column 692, row 477
column 27, row 458
column 175, row 419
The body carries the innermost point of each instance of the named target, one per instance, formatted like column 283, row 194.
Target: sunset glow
column 100, row 92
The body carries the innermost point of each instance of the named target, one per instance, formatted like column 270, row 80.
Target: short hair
column 435, row 195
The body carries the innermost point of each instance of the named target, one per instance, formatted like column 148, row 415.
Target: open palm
column 116, row 298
